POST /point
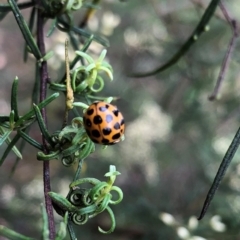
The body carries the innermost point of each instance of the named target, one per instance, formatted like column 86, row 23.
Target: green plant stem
column 69, row 224
column 77, row 174
column 43, row 93
column 71, row 231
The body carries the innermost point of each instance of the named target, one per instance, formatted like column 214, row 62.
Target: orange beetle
column 104, row 123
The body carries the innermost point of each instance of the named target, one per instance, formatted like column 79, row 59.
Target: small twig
column 69, row 90
column 69, row 95
column 43, row 70
column 227, row 58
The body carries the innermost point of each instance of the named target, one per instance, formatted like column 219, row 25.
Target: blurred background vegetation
column 175, row 137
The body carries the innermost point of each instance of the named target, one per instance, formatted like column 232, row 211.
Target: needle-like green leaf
column 31, row 24
column 30, row 140
column 201, row 27
column 221, row 172
column 25, row 30
column 11, row 147
column 25, row 120
column 45, row 230
column 31, row 113
column 52, row 27
column 62, row 232
column 42, row 125
column 84, row 33
column 11, row 120
column 12, row 235
column 14, row 101
column 8, row 141
column 22, row 145
column 5, row 8
column 62, row 202
column 4, row 134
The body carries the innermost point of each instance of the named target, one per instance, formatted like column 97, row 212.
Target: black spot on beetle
column 116, row 136
column 115, row 112
column 107, row 131
column 122, row 121
column 107, row 106
column 116, row 126
column 95, row 141
column 88, row 122
column 90, row 112
column 88, row 132
column 109, row 118
column 97, row 119
column 105, row 141
column 96, row 133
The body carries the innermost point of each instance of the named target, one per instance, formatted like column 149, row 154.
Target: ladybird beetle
column 104, row 123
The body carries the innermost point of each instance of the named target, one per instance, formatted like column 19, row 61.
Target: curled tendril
column 104, row 203
column 46, row 157
column 85, row 203
column 98, row 197
column 71, row 5
column 111, row 214
column 55, row 137
column 62, row 202
column 70, row 151
column 79, row 219
column 78, row 121
column 55, row 7
column 79, row 197
column 86, row 78
column 68, row 161
column 78, row 182
column 99, row 81
column 97, row 190
column 82, row 214
column 65, row 28
column 120, row 195
column 71, row 144
column 78, row 151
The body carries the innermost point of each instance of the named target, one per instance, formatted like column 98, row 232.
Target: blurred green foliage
column 175, row 137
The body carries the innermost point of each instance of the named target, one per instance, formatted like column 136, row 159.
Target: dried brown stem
column 228, row 55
